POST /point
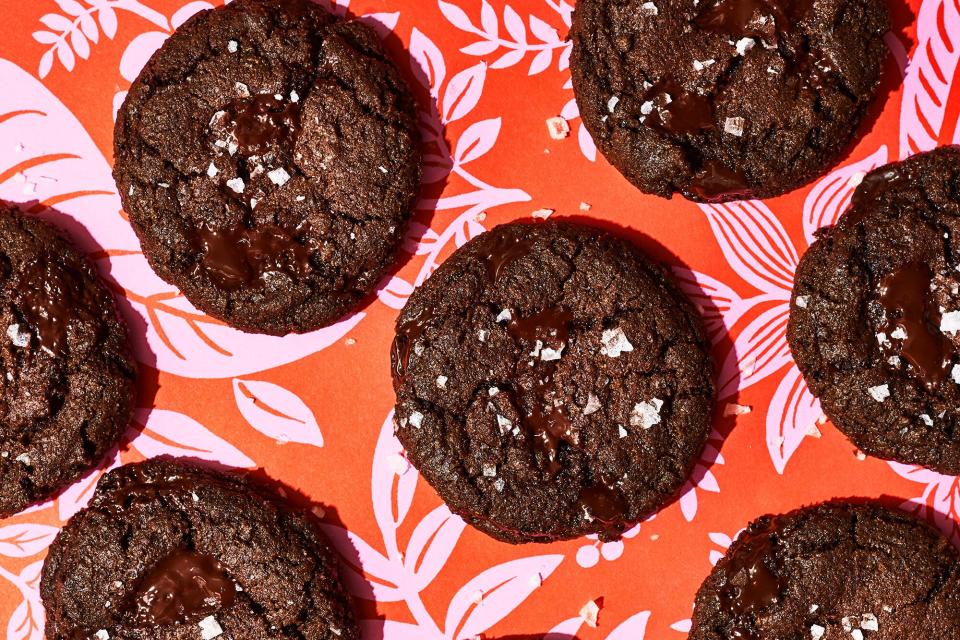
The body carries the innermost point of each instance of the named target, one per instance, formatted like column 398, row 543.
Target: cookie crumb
column 736, row 410
column 558, row 127
column 590, row 613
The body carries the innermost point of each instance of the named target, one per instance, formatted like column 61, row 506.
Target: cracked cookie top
column 171, row 550
column 268, row 158
column 833, row 571
column 725, row 99
column 875, row 313
column 67, row 382
column 551, row 382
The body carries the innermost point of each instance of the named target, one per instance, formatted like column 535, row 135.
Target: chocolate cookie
column 725, row 99
column 67, row 389
column 835, row 571
column 551, row 382
column 268, row 158
column 171, row 550
column 876, row 311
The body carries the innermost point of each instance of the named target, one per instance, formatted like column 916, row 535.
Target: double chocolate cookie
column 875, row 313
column 170, row 550
column 725, row 99
column 551, row 382
column 833, row 572
column 268, row 158
column 67, row 384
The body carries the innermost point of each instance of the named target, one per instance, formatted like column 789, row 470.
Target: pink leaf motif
column 375, row 571
column 540, row 62
column 718, row 304
column 276, row 412
column 930, row 75
column 463, row 92
column 759, row 351
column 432, row 542
column 755, row 244
column 633, row 628
column 108, row 21
column 23, row 539
column 480, row 48
column 509, row 59
column 137, row 53
column 504, row 588
column 831, row 195
column 543, row 31
column 78, row 495
column 455, row 15
column 587, row 146
column 392, row 494
column 27, row 621
column 514, row 24
column 488, row 19
column 477, row 140
column 394, row 292
column 565, row 630
column 170, row 433
column 426, row 62
column 187, row 11
column 793, row 411
column 939, row 503
column 682, row 626
column 393, row 630
column 65, row 169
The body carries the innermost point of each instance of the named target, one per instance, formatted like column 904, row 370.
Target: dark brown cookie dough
column 171, row 550
column 551, row 382
column 67, row 382
column 267, row 156
column 835, row 571
column 725, row 99
column 875, row 314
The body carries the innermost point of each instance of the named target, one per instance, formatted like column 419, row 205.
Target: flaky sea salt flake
column 279, row 176
column 590, row 612
column 646, row 414
column 734, row 126
column 558, row 127
column 614, row 342
column 880, row 392
column 236, row 184
column 210, row 628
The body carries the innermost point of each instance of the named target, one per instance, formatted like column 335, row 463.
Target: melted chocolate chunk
column 547, row 423
column 603, row 503
column 49, row 296
column 500, row 251
column 758, row 587
column 745, row 18
column 677, row 110
column 262, row 122
column 239, row 257
column 183, row 587
column 905, row 296
column 407, row 335
column 717, row 182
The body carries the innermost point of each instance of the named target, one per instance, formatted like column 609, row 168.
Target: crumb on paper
column 558, row 127
column 736, row 409
column 859, row 455
column 590, row 613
